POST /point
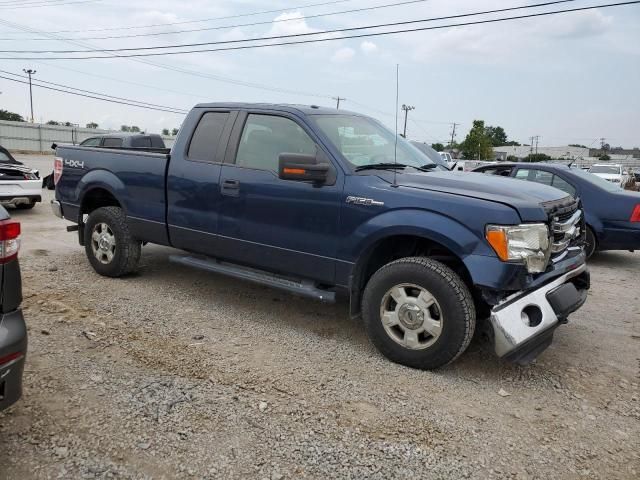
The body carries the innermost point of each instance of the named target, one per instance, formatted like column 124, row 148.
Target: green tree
column 497, row 135
column 604, row 157
column 134, row 129
column 511, row 143
column 165, row 132
column 125, row 128
column 10, row 116
column 53, row 122
column 577, row 145
column 477, row 144
column 92, row 125
column 438, row 147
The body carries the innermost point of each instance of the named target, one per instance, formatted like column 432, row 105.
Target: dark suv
column 13, row 331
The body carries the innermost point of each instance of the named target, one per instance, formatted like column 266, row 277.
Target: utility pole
column 453, row 134
column 30, row 72
column 338, row 100
column 407, row 109
column 534, row 139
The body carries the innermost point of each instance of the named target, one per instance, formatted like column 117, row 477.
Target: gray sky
column 569, row 78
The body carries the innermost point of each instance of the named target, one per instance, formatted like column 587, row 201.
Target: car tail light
column 9, row 240
column 635, row 216
column 57, row 169
column 10, row 358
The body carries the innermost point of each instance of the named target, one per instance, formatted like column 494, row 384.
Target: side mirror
column 303, row 168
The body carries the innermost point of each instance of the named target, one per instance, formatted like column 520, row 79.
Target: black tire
column 458, row 316
column 25, row 206
column 591, row 243
column 126, row 251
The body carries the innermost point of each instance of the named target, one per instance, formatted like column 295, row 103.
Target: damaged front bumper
column 523, row 323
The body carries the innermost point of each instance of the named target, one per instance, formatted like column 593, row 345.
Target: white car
column 20, row 185
column 610, row 172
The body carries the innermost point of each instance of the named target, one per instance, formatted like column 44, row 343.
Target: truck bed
column 139, row 183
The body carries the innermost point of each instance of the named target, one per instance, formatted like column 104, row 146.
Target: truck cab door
column 283, row 226
column 193, row 193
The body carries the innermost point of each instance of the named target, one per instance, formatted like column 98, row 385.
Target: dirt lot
column 177, row 373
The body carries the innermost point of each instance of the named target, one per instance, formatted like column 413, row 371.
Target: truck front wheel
column 109, row 246
column 418, row 312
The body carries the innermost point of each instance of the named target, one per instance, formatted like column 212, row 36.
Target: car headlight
column 528, row 243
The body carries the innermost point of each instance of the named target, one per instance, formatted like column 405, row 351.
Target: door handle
column 230, row 188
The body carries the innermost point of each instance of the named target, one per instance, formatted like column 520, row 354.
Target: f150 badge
column 364, row 201
column 73, row 163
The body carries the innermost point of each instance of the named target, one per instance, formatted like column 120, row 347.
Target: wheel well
column 96, row 198
column 92, row 200
column 400, row 246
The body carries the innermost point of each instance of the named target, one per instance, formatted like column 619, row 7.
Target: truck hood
column 525, row 197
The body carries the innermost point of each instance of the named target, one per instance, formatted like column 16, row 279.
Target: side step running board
column 300, row 287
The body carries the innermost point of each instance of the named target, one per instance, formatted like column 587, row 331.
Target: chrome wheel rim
column 103, row 243
column 411, row 316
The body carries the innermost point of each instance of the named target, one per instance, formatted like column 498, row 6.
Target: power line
column 39, row 4
column 250, row 14
column 238, row 25
column 167, row 110
column 335, row 38
column 94, row 93
column 305, row 34
column 199, row 74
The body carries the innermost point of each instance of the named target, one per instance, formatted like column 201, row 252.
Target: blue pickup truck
column 324, row 204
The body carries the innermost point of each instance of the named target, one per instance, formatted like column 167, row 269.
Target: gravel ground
column 177, row 373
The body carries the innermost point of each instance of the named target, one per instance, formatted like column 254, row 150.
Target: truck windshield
column 363, row 141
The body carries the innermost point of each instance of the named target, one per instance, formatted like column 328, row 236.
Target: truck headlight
column 527, row 243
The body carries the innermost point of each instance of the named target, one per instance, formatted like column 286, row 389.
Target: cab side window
column 265, row 137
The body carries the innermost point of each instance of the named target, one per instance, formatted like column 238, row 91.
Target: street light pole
column 406, row 109
column 30, row 72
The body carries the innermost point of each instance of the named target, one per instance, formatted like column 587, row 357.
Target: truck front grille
column 566, row 223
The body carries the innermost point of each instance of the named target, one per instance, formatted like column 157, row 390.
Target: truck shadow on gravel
column 326, row 321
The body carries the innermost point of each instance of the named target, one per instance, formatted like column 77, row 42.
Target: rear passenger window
column 265, row 137
column 206, row 138
column 563, row 185
column 112, row 142
column 538, row 176
column 91, row 142
column 141, row 142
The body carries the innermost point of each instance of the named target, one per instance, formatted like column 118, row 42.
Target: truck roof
column 283, row 107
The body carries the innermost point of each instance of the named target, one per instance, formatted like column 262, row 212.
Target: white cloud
column 578, row 25
column 343, row 55
column 368, row 47
column 290, row 23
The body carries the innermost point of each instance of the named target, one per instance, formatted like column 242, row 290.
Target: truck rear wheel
column 418, row 312
column 109, row 246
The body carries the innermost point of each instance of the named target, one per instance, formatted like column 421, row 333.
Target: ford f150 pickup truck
column 324, row 203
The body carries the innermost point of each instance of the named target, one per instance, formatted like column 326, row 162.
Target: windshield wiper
column 381, row 166
column 427, row 167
